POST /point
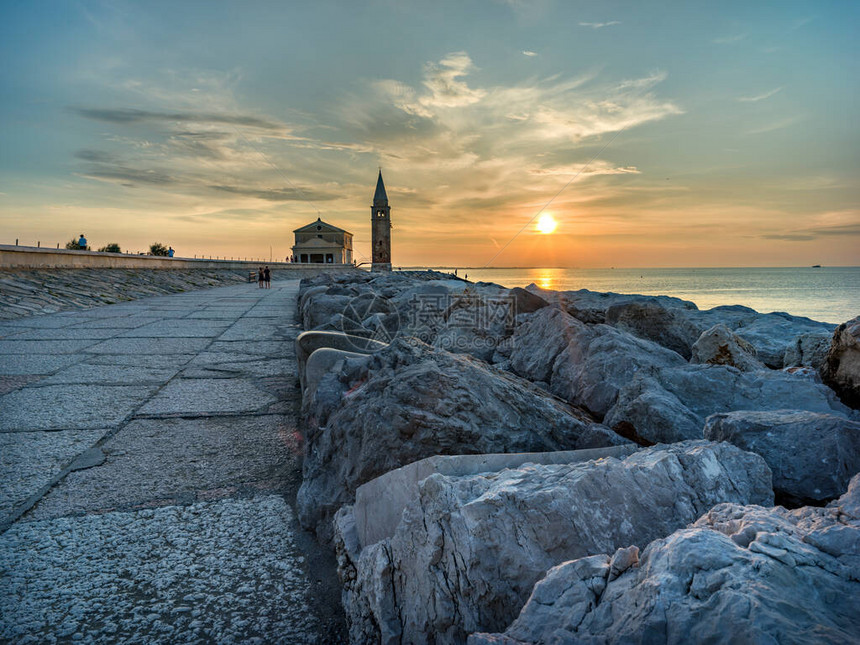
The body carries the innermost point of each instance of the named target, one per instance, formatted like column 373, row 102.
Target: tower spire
column 380, row 198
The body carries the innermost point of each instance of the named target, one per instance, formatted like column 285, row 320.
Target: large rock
column 807, row 350
column 410, row 401
column 593, row 306
column 841, row 368
column 740, row 574
column 479, row 321
column 590, row 363
column 672, row 404
column 813, row 456
column 719, row 346
column 772, row 334
column 469, row 549
column 537, row 342
column 670, row 327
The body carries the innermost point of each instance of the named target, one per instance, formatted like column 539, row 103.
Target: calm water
column 830, row 294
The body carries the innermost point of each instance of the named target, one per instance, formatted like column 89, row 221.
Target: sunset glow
column 140, row 122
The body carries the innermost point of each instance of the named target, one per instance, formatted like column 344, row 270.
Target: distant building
column 380, row 223
column 322, row 243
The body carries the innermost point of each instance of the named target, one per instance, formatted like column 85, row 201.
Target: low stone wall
column 30, row 257
column 41, row 291
column 41, row 281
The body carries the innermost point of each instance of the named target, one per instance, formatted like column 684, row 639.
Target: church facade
column 322, row 243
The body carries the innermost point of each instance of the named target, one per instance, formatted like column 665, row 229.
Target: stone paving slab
column 119, row 323
column 216, row 313
column 68, row 333
column 10, row 383
column 208, row 396
column 166, row 361
column 267, row 312
column 214, row 572
column 87, row 374
column 168, row 461
column 253, row 329
column 141, row 346
column 39, row 322
column 274, row 348
column 44, row 346
column 249, row 366
column 66, row 407
column 29, row 461
column 13, row 364
column 183, row 328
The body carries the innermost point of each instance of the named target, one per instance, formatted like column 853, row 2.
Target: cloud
column 600, row 25
column 125, row 116
column 596, row 167
column 98, row 156
column 775, row 125
column 526, row 52
column 130, row 176
column 790, row 237
column 826, row 225
column 759, row 97
column 728, row 40
column 279, row 194
column 442, row 80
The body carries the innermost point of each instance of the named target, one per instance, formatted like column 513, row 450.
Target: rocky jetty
column 468, row 550
column 45, row 291
column 678, row 324
column 740, row 574
column 408, row 401
column 743, row 406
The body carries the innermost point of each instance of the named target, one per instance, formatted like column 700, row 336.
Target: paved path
column 149, row 456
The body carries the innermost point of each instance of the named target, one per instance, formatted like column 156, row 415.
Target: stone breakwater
column 651, row 427
column 44, row 291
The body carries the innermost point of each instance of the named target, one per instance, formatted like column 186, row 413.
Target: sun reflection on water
column 546, row 278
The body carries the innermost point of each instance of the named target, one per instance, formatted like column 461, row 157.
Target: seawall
column 40, row 281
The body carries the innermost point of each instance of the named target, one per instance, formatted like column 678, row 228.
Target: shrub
column 72, row 245
column 158, row 249
column 113, row 247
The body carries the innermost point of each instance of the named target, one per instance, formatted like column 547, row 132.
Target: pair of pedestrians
column 264, row 278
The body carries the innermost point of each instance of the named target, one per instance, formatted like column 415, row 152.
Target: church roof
column 325, row 226
column 379, row 196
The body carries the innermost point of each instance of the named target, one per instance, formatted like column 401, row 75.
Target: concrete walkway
column 149, row 456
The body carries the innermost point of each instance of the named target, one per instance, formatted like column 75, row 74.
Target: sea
column 827, row 294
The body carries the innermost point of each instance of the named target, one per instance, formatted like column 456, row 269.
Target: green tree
column 113, row 247
column 158, row 249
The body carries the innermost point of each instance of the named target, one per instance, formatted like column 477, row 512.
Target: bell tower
column 380, row 226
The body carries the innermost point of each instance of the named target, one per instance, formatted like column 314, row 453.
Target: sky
column 658, row 134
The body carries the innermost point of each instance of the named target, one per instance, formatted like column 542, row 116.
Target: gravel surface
column 225, row 572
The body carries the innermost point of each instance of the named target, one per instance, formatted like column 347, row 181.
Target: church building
column 322, row 243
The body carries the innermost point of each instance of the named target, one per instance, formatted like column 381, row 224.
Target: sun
column 546, row 224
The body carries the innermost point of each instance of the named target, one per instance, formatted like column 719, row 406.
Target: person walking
column 261, row 278
column 268, row 276
column 82, row 243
